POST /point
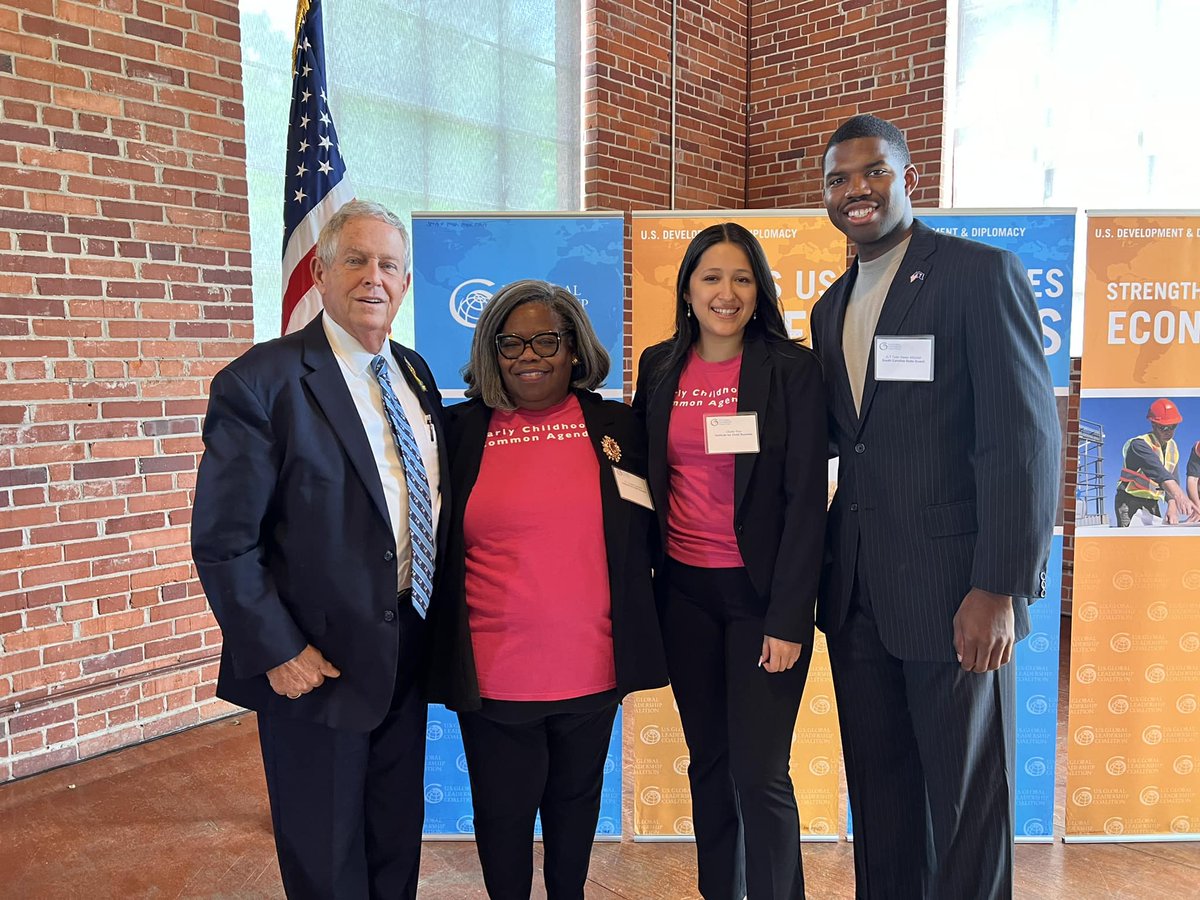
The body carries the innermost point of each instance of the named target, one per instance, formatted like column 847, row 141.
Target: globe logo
column 1038, row 705
column 1152, row 734
column 461, row 762
column 1115, row 825
column 1084, row 736
column 609, row 765
column 820, row 704
column 1035, row 827
column 1121, row 642
column 1039, row 643
column 1123, row 580
column 606, row 826
column 818, row 825
column 1089, row 612
column 468, row 300
column 434, row 794
column 683, row 825
column 1181, row 825
column 1160, row 552
column 651, row 796
column 681, row 764
column 1156, row 673
column 434, row 731
column 1082, row 797
column 1091, row 552
column 1184, row 765
column 1116, row 765
column 651, row 735
column 465, row 825
column 1157, row 611
column 819, row 765
column 1190, row 642
column 1118, row 704
column 1035, row 766
column 1086, row 674
column 1191, row 579
column 1186, row 704
column 1150, row 796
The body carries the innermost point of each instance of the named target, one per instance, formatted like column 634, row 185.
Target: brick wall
column 124, row 285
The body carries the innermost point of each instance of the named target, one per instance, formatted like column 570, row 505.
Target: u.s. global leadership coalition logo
column 468, row 300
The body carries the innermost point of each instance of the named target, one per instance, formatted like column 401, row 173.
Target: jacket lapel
column 833, row 355
column 328, row 387
column 754, row 383
column 600, row 425
column 658, row 424
column 907, row 284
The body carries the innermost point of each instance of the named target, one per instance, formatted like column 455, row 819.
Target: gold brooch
column 416, row 377
column 611, row 449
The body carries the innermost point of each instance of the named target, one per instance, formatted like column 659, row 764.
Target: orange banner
column 806, row 254
column 1141, row 326
column 1133, row 736
column 662, row 805
column 805, row 251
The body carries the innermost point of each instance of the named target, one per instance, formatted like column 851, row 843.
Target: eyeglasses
column 545, row 344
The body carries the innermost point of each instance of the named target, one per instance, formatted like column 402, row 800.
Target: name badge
column 632, row 488
column 907, row 358
column 733, row 433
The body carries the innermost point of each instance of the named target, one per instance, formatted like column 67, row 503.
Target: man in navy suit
column 943, row 416
column 314, row 532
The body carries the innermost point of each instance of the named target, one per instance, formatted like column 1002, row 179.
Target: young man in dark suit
column 314, row 531
column 943, row 416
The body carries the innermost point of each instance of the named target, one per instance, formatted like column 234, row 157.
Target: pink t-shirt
column 538, row 597
column 700, row 515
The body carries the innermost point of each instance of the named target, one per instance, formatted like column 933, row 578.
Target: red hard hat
column 1164, row 412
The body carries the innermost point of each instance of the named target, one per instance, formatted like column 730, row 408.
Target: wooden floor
column 186, row 816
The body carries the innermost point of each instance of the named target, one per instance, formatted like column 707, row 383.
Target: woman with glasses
column 735, row 413
column 544, row 616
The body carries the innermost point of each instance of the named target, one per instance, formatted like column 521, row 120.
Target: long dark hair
column 766, row 324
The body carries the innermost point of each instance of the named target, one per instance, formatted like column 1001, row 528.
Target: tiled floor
column 186, row 816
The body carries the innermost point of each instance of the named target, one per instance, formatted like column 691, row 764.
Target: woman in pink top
column 735, row 415
column 543, row 616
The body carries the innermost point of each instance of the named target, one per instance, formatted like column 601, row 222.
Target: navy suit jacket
column 779, row 493
column 290, row 530
column 637, row 643
column 950, row 484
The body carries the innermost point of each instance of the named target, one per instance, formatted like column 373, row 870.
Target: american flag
column 316, row 185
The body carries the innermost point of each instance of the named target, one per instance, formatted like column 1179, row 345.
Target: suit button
column 740, row 528
column 388, row 556
column 388, row 616
column 860, row 448
column 853, row 507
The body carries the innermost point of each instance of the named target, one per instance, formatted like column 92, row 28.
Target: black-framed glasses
column 545, row 344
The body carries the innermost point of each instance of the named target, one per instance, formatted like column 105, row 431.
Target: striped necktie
column 420, row 507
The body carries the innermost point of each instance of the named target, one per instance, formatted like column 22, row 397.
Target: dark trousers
column 554, row 763
column 929, row 751
column 1125, row 505
column 348, row 807
column 738, row 721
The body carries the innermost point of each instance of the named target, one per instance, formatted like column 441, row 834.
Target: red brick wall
column 124, row 285
column 816, row 63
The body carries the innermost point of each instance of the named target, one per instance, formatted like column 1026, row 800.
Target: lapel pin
column 611, row 449
column 916, row 276
column 416, row 377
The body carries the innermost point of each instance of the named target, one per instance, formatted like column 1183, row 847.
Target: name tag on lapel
column 904, row 358
column 732, row 433
column 633, row 488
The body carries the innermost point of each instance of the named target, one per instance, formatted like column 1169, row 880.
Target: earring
column 574, row 360
column 754, row 315
column 689, row 310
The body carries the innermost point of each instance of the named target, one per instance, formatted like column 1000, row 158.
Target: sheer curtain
column 439, row 104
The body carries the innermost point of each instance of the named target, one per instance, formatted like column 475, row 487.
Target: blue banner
column 460, row 261
column 448, row 812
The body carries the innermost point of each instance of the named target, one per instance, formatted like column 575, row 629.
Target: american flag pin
column 916, row 276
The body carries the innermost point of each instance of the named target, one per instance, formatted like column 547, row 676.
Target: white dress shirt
column 355, row 362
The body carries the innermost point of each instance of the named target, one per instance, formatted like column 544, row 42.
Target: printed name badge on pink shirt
column 731, row 433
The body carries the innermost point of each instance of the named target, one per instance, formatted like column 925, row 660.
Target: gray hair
column 482, row 371
column 327, row 241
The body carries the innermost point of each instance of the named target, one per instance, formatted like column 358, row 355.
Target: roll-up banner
column 1133, row 733
column 806, row 254
column 1044, row 241
column 459, row 261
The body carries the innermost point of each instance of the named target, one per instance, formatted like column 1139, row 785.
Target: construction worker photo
column 1150, row 473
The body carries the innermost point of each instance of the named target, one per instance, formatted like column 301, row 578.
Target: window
column 439, row 105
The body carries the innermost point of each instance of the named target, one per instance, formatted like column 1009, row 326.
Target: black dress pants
column 738, row 721
column 929, row 751
column 348, row 807
column 553, row 763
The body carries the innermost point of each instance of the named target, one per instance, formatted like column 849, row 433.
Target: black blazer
column 950, row 484
column 637, row 643
column 780, row 492
column 290, row 530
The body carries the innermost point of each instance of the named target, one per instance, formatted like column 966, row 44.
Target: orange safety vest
column 1134, row 482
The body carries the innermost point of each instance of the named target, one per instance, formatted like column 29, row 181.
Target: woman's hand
column 778, row 655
